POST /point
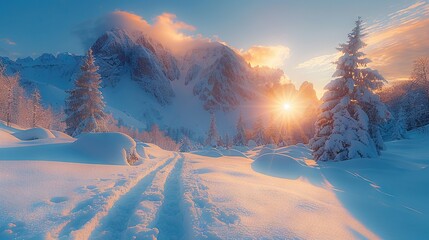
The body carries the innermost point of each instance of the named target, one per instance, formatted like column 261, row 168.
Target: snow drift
column 108, row 148
column 33, row 134
column 280, row 165
column 6, row 138
column 45, row 145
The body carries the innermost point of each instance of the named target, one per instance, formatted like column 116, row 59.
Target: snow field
column 49, row 191
column 226, row 199
column 91, row 214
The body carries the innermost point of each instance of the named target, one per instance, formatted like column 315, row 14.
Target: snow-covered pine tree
column 420, row 74
column 185, row 144
column 366, row 81
column 227, row 142
column 272, row 134
column 212, row 135
column 37, row 108
column 259, row 132
column 240, row 138
column 85, row 105
column 400, row 125
column 342, row 127
column 339, row 136
column 420, row 86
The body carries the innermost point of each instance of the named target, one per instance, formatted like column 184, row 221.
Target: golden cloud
column 320, row 63
column 269, row 56
column 393, row 50
column 165, row 28
column 393, row 44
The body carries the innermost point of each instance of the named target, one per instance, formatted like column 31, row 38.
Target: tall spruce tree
column 85, row 105
column 259, row 135
column 240, row 138
column 366, row 81
column 348, row 124
column 212, row 135
column 399, row 130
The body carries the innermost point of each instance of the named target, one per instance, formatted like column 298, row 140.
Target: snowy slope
column 274, row 193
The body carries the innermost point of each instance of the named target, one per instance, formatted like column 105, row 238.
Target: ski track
column 170, row 222
column 87, row 213
column 115, row 224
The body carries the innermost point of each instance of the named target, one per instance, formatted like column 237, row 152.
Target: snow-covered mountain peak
column 124, row 55
column 143, row 83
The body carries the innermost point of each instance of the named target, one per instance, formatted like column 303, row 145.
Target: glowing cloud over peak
column 165, row 28
column 269, row 56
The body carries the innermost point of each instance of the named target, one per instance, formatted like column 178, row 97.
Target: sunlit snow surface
column 49, row 190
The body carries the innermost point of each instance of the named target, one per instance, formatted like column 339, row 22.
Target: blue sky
column 307, row 28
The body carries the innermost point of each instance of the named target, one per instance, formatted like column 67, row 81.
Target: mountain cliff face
column 143, row 83
column 222, row 79
column 219, row 77
column 120, row 53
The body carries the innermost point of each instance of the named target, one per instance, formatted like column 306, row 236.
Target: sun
column 287, row 107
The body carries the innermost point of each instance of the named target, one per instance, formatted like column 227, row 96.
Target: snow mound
column 278, row 165
column 7, row 138
column 33, row 134
column 299, row 151
column 62, row 135
column 11, row 129
column 241, row 148
column 108, row 148
column 141, row 150
column 270, row 148
column 232, row 153
column 213, row 152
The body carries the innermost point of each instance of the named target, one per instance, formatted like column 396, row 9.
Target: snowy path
column 170, row 221
column 106, row 215
column 116, row 222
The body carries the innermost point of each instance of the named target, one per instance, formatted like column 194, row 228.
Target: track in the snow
column 170, row 219
column 115, row 223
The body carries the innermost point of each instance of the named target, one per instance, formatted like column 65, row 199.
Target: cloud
column 393, row 43
column 7, row 41
column 406, row 11
column 269, row 56
column 394, row 47
column 322, row 63
column 165, row 28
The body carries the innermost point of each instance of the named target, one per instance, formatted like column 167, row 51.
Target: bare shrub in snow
column 26, row 111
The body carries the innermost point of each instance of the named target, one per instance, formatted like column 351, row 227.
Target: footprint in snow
column 120, row 183
column 59, row 199
column 12, row 230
